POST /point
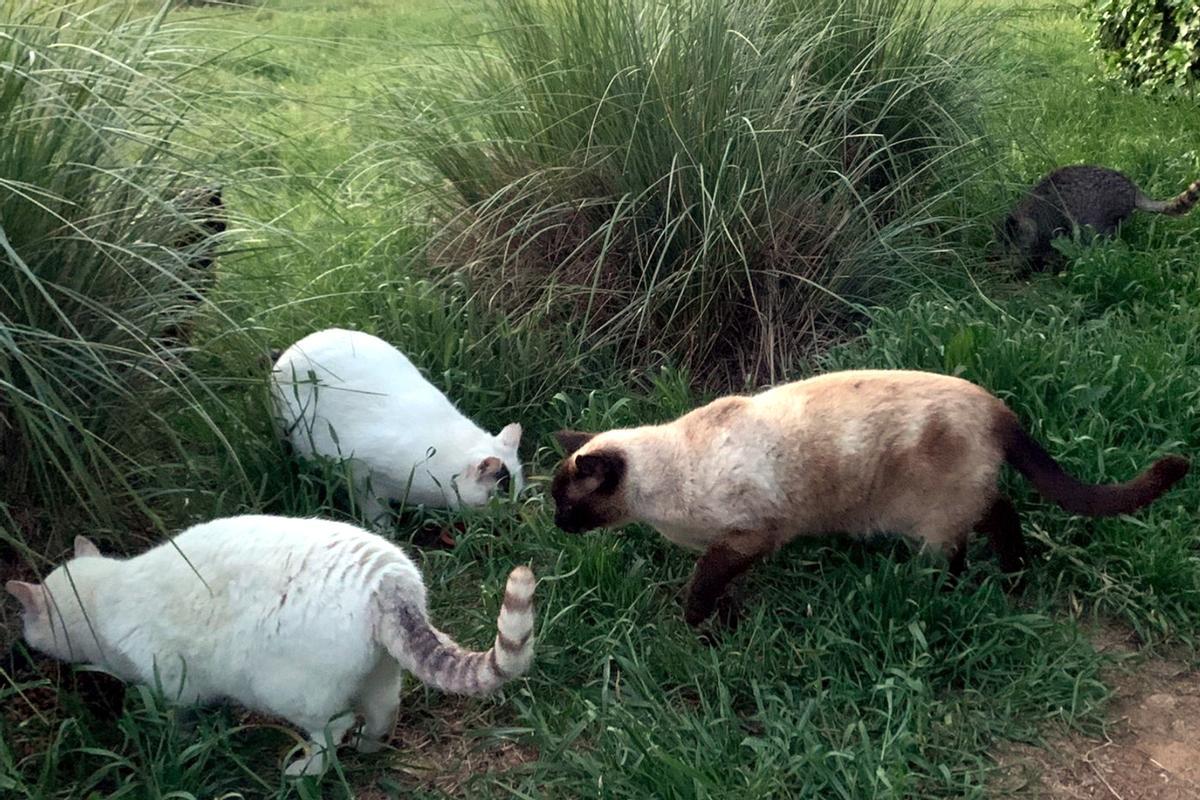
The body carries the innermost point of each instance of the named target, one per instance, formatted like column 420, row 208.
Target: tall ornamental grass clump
column 100, row 255
column 720, row 180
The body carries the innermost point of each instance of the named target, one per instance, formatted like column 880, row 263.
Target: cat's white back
column 349, row 395
column 300, row 618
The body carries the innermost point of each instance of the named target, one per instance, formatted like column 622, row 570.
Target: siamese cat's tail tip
column 438, row 661
column 1024, row 453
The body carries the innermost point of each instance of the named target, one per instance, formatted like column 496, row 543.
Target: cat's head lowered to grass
column 589, row 487
column 492, row 467
column 52, row 618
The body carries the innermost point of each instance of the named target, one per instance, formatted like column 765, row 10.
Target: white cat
column 349, row 395
column 306, row 619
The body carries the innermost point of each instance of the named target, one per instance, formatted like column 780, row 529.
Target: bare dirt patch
column 434, row 750
column 1150, row 750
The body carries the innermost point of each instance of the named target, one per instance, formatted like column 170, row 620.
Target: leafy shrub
column 718, row 180
column 99, row 260
column 1149, row 42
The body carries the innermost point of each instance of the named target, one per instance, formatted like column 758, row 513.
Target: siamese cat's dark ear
column 85, row 549
column 570, row 441
column 605, row 466
column 29, row 594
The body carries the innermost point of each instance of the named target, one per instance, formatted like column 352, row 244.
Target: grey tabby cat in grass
column 1076, row 197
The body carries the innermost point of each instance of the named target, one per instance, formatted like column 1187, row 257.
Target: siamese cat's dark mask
column 588, row 487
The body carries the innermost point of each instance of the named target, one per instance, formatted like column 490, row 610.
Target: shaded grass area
column 1062, row 111
column 853, row 675
column 107, row 228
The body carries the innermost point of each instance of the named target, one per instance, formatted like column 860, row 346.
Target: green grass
column 853, row 674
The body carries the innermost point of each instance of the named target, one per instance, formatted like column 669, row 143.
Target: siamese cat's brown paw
column 725, row 611
column 722, row 619
column 696, row 612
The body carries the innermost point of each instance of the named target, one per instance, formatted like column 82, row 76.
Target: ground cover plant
column 853, row 674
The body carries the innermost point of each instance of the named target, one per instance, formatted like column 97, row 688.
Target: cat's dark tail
column 439, row 662
column 1177, row 206
column 1093, row 500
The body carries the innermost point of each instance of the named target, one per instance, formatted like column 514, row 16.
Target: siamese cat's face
column 589, row 485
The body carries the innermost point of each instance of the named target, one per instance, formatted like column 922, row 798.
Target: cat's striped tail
column 439, row 662
column 1177, row 206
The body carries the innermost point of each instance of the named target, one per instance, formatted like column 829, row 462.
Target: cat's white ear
column 511, row 435
column 85, row 549
column 30, row 595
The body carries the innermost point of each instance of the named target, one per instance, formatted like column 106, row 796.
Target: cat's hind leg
column 995, row 517
column 949, row 534
column 956, row 555
column 323, row 738
column 378, row 702
column 1002, row 525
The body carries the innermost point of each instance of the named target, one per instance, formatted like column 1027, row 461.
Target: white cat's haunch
column 349, row 395
column 307, row 619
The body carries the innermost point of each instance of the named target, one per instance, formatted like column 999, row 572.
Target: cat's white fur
column 308, row 619
column 349, row 395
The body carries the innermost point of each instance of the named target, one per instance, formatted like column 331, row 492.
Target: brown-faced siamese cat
column 862, row 452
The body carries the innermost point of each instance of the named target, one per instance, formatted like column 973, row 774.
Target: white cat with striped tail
column 311, row 620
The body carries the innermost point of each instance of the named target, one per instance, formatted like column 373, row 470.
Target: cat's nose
column 503, row 478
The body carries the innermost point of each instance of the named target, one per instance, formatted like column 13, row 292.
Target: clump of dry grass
column 720, row 181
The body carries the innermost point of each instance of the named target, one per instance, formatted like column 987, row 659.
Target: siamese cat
column 859, row 452
column 1075, row 197
column 349, row 395
column 307, row 619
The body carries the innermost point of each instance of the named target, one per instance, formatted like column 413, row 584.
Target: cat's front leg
column 376, row 512
column 725, row 559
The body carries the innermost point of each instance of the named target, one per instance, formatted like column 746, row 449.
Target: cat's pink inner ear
column 510, row 436
column 30, row 595
column 84, row 548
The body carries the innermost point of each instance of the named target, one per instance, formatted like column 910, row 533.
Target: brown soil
column 1151, row 750
column 434, row 751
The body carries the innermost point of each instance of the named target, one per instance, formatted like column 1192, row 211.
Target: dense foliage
column 1149, row 42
